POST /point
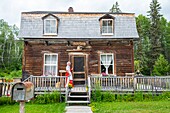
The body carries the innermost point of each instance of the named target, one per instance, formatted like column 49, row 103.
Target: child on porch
column 69, row 74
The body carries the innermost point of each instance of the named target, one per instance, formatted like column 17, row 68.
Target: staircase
column 78, row 95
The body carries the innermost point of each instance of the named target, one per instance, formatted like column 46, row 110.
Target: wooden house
column 94, row 42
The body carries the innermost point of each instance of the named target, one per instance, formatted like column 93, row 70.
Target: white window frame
column 106, row 60
column 56, row 64
column 107, row 27
column 45, row 32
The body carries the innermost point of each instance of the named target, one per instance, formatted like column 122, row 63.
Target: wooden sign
column 78, row 43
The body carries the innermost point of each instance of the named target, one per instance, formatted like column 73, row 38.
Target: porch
column 45, row 84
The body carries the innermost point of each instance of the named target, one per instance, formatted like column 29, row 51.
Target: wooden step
column 78, row 101
column 85, row 96
column 81, row 79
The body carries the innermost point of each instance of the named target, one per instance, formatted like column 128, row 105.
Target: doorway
column 79, row 69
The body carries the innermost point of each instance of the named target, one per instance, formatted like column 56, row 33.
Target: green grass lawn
column 131, row 107
column 97, row 107
column 34, row 108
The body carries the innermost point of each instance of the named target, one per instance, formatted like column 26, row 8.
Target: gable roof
column 78, row 24
column 106, row 16
column 49, row 14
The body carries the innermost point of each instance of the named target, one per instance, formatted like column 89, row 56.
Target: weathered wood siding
column 122, row 50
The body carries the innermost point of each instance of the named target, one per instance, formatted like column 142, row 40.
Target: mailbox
column 23, row 91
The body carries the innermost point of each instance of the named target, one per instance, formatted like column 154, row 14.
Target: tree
column 115, row 8
column 154, row 33
column 167, row 42
column 161, row 67
column 142, row 46
column 10, row 47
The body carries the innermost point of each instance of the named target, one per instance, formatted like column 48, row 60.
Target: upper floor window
column 107, row 24
column 50, row 26
column 50, row 64
column 50, row 23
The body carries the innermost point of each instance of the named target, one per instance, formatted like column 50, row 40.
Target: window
column 107, row 63
column 107, row 26
column 50, row 26
column 50, row 64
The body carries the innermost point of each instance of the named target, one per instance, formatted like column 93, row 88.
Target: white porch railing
column 48, row 83
column 116, row 83
column 109, row 83
column 155, row 83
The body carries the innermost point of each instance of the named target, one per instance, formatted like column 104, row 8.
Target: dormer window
column 107, row 24
column 50, row 23
column 50, row 26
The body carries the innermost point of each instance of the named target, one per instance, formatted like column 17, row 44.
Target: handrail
column 67, row 91
column 28, row 79
column 89, row 87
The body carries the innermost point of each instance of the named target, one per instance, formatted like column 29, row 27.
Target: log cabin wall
column 33, row 56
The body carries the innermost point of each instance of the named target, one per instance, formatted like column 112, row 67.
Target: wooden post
column 22, row 107
column 134, row 84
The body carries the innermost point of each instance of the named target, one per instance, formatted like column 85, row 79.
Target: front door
column 79, row 69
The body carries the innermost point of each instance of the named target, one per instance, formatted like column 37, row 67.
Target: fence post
column 134, row 83
column 31, row 78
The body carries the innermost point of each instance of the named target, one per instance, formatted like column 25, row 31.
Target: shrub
column 119, row 97
column 96, row 94
column 108, row 97
column 166, row 96
column 47, row 98
column 128, row 97
column 148, row 96
column 6, row 101
column 138, row 96
column 161, row 67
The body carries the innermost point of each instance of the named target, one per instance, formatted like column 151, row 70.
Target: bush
column 108, row 97
column 96, row 94
column 138, row 96
column 47, row 98
column 161, row 67
column 9, row 75
column 6, row 101
column 166, row 96
column 148, row 96
column 119, row 97
column 128, row 97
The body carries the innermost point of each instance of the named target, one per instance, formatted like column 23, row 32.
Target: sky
column 10, row 10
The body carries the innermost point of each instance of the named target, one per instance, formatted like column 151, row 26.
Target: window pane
column 53, row 70
column 103, row 59
column 53, row 30
column 47, row 59
column 47, row 22
column 110, row 29
column 47, row 29
column 105, row 23
column 104, row 29
column 47, row 70
column 53, row 22
column 109, row 59
column 110, row 69
column 54, row 59
column 109, row 22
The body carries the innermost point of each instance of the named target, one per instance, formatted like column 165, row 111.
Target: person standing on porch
column 69, row 74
